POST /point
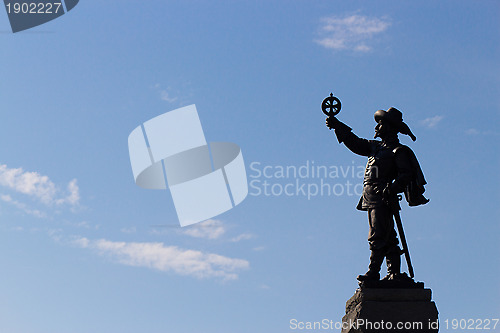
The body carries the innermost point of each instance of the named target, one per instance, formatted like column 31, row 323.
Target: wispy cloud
column 354, row 32
column 22, row 206
column 177, row 91
column 166, row 94
column 129, row 230
column 472, row 131
column 73, row 198
column 432, row 122
column 210, row 229
column 243, row 236
column 38, row 186
column 82, row 224
column 475, row 131
column 167, row 258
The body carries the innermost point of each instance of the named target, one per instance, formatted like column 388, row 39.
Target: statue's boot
column 393, row 261
column 376, row 259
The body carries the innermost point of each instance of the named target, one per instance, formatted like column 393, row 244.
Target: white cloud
column 350, row 32
column 165, row 96
column 177, row 91
column 38, row 186
column 432, row 122
column 56, row 235
column 82, row 224
column 73, row 198
column 243, row 236
column 22, row 206
column 30, row 183
column 130, row 230
column 362, row 48
column 210, row 229
column 472, row 131
column 81, row 242
column 167, row 258
column 475, row 131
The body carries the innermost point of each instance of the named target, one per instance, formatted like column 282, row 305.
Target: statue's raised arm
column 344, row 134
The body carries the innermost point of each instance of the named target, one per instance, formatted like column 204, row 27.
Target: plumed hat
column 394, row 117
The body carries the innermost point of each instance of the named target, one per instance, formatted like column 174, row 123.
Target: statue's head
column 390, row 123
column 384, row 130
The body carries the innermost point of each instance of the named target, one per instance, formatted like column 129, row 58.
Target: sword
column 399, row 224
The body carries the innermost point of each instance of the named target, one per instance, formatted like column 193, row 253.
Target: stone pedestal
column 380, row 308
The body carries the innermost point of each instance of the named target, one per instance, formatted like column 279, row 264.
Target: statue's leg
column 393, row 263
column 378, row 240
column 373, row 273
column 393, row 254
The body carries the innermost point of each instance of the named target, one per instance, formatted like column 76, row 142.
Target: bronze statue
column 392, row 168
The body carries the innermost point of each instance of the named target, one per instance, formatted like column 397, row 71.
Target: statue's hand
column 332, row 122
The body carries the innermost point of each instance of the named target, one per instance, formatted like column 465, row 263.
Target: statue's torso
column 380, row 170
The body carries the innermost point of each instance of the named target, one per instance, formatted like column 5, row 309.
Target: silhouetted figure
column 392, row 168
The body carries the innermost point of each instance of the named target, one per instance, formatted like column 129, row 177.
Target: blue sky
column 86, row 250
